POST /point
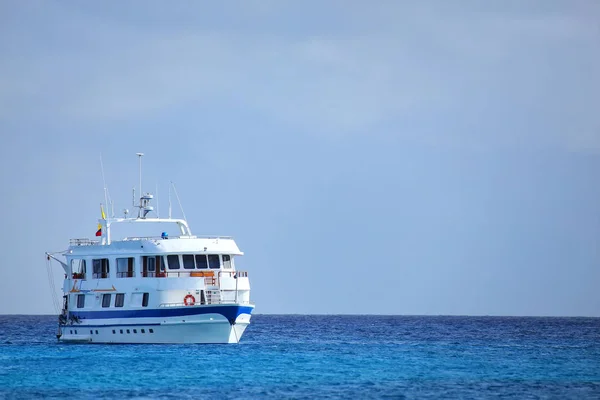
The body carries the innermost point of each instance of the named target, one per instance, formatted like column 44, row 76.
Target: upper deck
column 185, row 242
column 156, row 245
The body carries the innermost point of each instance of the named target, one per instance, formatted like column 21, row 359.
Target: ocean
column 312, row 356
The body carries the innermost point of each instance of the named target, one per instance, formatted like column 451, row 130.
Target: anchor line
column 52, row 285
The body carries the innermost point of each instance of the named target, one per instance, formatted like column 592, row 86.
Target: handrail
column 175, row 237
column 83, row 242
column 197, row 304
column 234, row 274
column 190, row 273
column 91, row 242
column 194, row 273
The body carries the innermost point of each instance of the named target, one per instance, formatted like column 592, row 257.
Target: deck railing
column 209, row 276
column 91, row 242
column 208, row 302
column 176, row 237
column 83, row 242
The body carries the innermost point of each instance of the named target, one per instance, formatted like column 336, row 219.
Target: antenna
column 145, row 199
column 170, row 200
column 177, row 196
column 140, row 155
column 104, row 182
column 157, row 203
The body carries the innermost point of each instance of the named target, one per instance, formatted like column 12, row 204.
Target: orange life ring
column 189, row 300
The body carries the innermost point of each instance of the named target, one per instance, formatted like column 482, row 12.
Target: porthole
column 128, row 331
column 143, row 331
column 76, row 331
column 91, row 332
column 135, row 331
column 71, row 332
column 96, row 332
column 121, row 330
column 151, row 330
column 114, row 331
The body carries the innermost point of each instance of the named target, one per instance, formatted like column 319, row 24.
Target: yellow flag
column 102, row 212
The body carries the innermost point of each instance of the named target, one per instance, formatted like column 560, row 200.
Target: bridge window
column 188, row 261
column 106, row 300
column 119, row 299
column 226, row 261
column 213, row 261
column 125, row 267
column 80, row 300
column 78, row 269
column 100, row 268
column 201, row 262
column 173, row 260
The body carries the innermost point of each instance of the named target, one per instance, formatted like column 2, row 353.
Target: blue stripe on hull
column 229, row 312
column 81, row 326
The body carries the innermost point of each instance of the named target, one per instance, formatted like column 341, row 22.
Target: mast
column 144, row 207
column 140, row 155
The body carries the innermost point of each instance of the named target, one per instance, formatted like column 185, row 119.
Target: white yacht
column 163, row 289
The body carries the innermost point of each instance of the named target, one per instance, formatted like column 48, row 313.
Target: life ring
column 189, row 300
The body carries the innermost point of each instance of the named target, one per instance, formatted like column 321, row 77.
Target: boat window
column 201, row 262
column 125, row 267
column 119, row 299
column 148, row 266
column 213, row 261
column 106, row 300
column 100, row 268
column 226, row 261
column 188, row 261
column 173, row 260
column 80, row 300
column 151, row 264
column 145, row 299
column 78, row 268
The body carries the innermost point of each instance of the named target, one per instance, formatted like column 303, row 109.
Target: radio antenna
column 170, row 201
column 157, row 203
column 177, row 196
column 104, row 182
column 140, row 155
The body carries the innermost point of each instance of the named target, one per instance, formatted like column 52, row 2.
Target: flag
column 99, row 231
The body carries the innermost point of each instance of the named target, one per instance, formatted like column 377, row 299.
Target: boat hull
column 204, row 326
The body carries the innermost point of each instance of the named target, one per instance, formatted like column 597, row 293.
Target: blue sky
column 392, row 158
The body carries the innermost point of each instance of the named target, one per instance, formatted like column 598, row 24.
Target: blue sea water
column 304, row 356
